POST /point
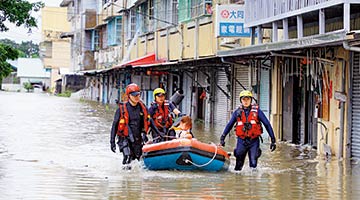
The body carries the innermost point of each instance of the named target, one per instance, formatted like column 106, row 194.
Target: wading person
column 130, row 125
column 162, row 113
column 248, row 118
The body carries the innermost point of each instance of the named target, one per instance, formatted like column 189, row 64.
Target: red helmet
column 132, row 88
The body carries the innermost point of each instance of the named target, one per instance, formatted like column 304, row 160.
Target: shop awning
column 331, row 38
column 145, row 61
column 95, row 71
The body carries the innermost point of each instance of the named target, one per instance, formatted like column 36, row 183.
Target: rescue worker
column 131, row 123
column 183, row 130
column 248, row 118
column 162, row 113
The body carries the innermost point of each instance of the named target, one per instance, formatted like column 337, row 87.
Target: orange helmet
column 132, row 88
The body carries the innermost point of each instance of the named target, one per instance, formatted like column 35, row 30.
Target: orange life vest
column 253, row 119
column 123, row 129
column 162, row 116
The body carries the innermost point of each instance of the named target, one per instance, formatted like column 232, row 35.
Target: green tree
column 6, row 52
column 17, row 12
column 30, row 49
column 26, row 49
column 28, row 86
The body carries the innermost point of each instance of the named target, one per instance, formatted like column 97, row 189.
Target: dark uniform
column 131, row 146
column 248, row 145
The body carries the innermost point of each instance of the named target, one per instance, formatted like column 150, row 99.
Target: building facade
column 160, row 43
column 55, row 51
column 313, row 57
column 298, row 57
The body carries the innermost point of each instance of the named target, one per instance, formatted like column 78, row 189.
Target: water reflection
column 58, row 148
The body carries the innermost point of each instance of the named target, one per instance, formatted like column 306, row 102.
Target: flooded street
column 58, row 148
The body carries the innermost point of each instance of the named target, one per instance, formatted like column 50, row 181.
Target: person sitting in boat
column 130, row 125
column 183, row 130
column 162, row 114
column 248, row 118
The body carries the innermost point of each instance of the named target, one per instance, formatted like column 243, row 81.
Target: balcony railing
column 258, row 12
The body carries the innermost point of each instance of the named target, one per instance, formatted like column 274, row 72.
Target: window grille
column 194, row 8
column 95, row 40
column 114, row 30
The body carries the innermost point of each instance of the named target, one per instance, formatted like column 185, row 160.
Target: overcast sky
column 21, row 34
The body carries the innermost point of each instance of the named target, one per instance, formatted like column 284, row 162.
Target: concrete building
column 32, row 70
column 167, row 43
column 298, row 57
column 55, row 52
column 314, row 70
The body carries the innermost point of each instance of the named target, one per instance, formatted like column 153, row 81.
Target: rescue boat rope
column 205, row 164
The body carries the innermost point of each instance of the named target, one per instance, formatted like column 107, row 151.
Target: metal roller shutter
column 264, row 101
column 105, row 89
column 187, row 88
column 242, row 75
column 136, row 79
column 113, row 91
column 355, row 118
column 222, row 104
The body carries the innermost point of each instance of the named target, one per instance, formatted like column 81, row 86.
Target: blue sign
column 233, row 29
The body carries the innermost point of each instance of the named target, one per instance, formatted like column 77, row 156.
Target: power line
column 161, row 10
column 134, row 10
column 158, row 11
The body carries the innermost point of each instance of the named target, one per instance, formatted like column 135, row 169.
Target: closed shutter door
column 264, row 101
column 105, row 91
column 355, row 129
column 136, row 79
column 113, row 91
column 222, row 104
column 242, row 75
column 185, row 104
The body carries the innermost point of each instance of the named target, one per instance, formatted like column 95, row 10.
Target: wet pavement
column 58, row 148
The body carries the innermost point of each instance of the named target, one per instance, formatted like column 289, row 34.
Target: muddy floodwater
column 58, row 148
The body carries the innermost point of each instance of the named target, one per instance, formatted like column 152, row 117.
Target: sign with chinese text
column 230, row 21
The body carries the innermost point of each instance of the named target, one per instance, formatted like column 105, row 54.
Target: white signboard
column 230, row 21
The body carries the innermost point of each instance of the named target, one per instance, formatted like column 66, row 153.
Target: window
column 46, row 49
column 184, row 11
column 189, row 9
column 208, row 7
column 167, row 13
column 114, row 30
column 118, row 30
column 131, row 24
column 144, row 15
column 95, row 40
column 174, row 11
